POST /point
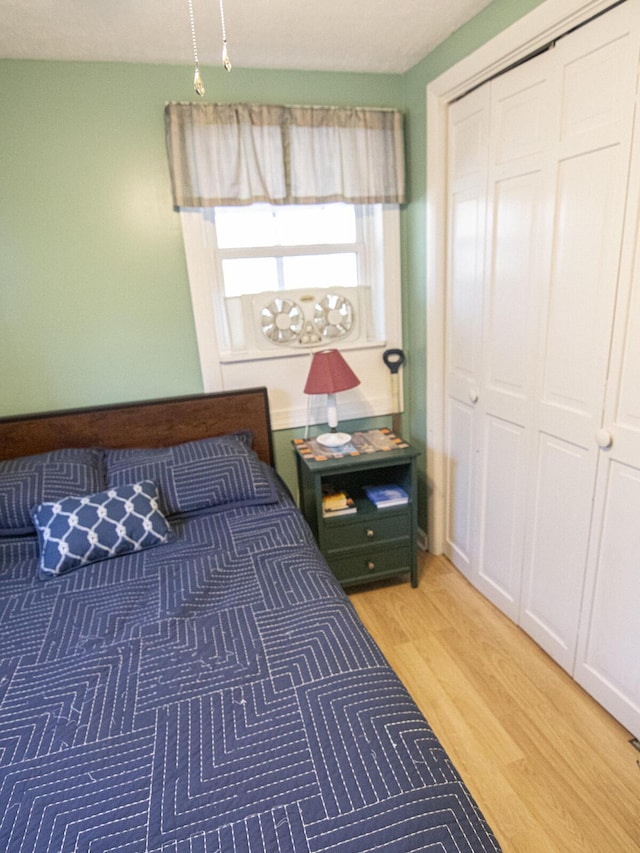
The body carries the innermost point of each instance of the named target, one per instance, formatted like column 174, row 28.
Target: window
column 265, row 247
column 288, row 277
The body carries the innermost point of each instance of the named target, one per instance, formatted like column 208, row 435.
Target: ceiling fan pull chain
column 226, row 62
column 198, row 85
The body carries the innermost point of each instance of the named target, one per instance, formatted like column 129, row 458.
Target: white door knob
column 473, row 395
column 604, row 438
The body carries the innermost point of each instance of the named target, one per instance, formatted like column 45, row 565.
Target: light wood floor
column 551, row 770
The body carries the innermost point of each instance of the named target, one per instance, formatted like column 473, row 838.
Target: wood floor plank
column 552, row 771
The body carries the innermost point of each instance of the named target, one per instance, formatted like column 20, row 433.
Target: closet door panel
column 519, row 117
column 590, row 208
column 502, row 514
column 460, row 484
column 510, row 332
column 622, row 415
column 598, row 79
column 520, row 124
column 467, row 223
column 513, row 297
column 468, row 140
column 592, row 154
column 609, row 655
column 578, row 333
column 468, row 143
column 465, row 296
column 465, row 307
column 597, row 70
column 608, row 660
column 558, row 549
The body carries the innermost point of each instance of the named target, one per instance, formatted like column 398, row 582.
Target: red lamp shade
column 329, row 373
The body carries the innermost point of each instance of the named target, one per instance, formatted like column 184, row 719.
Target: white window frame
column 285, row 374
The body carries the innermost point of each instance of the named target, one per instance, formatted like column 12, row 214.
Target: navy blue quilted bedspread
column 217, row 693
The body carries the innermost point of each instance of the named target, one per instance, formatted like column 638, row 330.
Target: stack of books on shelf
column 387, row 495
column 335, row 503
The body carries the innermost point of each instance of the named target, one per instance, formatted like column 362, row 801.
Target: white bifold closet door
column 539, row 170
column 608, row 659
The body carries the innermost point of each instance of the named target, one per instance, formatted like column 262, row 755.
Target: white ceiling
column 387, row 36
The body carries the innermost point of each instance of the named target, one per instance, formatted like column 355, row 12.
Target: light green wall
column 94, row 296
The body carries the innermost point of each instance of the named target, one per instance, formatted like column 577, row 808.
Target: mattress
column 216, row 693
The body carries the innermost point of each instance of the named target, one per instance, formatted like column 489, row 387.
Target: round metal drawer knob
column 371, row 565
column 370, row 533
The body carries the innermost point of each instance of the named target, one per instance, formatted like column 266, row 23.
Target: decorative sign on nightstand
column 362, row 536
column 371, row 441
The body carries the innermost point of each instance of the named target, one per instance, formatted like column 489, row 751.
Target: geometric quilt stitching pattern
column 234, row 775
column 206, row 473
column 209, row 696
column 31, row 480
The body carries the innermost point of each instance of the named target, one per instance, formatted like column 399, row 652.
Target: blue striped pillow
column 30, row 480
column 220, row 473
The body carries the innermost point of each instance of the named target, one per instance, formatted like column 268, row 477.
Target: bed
column 192, row 677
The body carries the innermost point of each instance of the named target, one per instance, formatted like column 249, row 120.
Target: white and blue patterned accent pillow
column 75, row 531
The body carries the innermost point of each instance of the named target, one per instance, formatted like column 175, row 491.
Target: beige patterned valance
column 228, row 154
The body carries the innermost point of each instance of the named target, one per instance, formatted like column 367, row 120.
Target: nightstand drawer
column 363, row 565
column 376, row 530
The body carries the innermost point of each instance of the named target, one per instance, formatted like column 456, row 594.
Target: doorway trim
column 546, row 22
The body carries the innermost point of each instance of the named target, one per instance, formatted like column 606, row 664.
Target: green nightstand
column 370, row 543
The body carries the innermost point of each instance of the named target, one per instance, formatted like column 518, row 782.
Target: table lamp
column 330, row 373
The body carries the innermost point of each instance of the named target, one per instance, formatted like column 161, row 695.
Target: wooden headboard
column 151, row 423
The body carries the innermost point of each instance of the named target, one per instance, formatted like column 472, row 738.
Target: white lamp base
column 333, row 439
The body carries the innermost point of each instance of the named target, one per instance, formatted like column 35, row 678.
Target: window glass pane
column 256, row 225
column 315, row 224
column 249, row 275
column 321, row 271
column 245, row 226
